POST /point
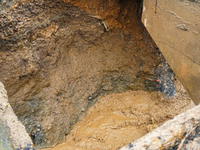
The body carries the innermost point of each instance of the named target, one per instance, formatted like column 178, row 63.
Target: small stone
column 90, row 98
column 130, row 145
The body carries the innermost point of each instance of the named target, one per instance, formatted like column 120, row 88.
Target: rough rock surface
column 16, row 131
column 56, row 59
column 165, row 79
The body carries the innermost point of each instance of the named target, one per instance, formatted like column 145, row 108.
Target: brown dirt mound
column 118, row 119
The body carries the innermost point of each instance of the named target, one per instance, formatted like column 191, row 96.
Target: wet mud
column 58, row 58
column 118, row 119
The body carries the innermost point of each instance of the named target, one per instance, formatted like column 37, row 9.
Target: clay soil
column 57, row 69
column 118, row 119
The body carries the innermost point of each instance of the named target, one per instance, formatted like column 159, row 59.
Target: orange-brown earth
column 57, row 60
column 118, row 119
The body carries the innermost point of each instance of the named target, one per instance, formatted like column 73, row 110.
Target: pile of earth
column 119, row 119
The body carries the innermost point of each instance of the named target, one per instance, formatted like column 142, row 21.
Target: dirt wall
column 56, row 59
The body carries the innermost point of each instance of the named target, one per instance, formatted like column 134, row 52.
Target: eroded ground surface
column 57, row 59
column 118, row 119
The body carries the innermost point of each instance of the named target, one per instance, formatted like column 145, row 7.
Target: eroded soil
column 118, row 119
column 57, row 59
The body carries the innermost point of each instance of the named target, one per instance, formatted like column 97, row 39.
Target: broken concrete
column 15, row 130
column 174, row 26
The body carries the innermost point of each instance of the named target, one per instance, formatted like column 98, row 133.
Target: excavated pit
column 58, row 58
column 119, row 119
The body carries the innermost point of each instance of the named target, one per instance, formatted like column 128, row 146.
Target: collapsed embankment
column 119, row 119
column 56, row 59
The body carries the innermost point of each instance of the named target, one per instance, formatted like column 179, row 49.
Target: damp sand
column 118, row 119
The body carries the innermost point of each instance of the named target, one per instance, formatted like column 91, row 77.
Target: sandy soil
column 55, row 70
column 118, row 119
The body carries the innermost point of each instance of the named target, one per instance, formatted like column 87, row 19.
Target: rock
column 165, row 79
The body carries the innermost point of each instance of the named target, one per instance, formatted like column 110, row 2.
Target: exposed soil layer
column 119, row 119
column 57, row 59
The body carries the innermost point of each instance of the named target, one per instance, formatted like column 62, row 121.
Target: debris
column 106, row 25
column 182, row 27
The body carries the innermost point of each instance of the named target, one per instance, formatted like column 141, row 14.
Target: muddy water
column 118, row 119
